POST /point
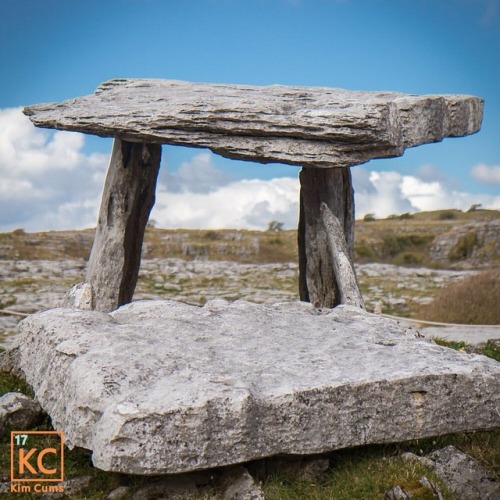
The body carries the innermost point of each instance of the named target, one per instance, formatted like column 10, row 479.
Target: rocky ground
column 30, row 286
column 403, row 262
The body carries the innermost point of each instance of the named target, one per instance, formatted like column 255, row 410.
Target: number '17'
column 21, row 439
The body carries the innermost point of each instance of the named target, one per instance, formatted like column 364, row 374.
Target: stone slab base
column 161, row 387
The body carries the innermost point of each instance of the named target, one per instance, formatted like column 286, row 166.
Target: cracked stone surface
column 164, row 387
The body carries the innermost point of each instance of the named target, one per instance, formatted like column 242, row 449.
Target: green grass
column 452, row 344
column 490, row 349
column 369, row 472
column 9, row 383
column 355, row 475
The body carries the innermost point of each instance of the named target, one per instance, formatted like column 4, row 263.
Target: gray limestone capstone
column 323, row 127
column 160, row 387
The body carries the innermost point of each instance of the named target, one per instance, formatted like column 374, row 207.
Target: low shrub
column 363, row 250
column 447, row 215
column 410, row 258
column 464, row 247
column 473, row 301
column 405, row 216
column 393, row 245
column 212, row 235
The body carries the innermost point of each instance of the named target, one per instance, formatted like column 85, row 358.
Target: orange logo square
column 37, row 456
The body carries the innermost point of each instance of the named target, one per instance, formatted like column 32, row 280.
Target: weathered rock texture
column 238, row 484
column 296, row 125
column 468, row 245
column 333, row 187
column 9, row 362
column 164, row 387
column 128, row 197
column 18, row 412
column 345, row 275
column 463, row 475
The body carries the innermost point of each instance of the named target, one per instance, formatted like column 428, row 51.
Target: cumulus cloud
column 247, row 203
column 252, row 204
column 378, row 193
column 48, row 182
column 485, row 174
column 386, row 193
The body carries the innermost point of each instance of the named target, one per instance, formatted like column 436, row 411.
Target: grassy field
column 403, row 240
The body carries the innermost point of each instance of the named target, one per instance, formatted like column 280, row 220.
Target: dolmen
column 162, row 387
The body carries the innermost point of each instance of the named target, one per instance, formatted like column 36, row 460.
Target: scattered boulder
column 397, row 493
column 432, row 487
column 9, row 362
column 463, row 475
column 80, row 296
column 460, row 472
column 426, row 462
column 238, row 484
column 19, row 412
column 119, row 493
column 161, row 387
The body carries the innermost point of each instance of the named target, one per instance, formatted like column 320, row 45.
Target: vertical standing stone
column 332, row 186
column 127, row 200
column 340, row 255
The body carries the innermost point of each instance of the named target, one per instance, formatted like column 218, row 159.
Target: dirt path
column 471, row 334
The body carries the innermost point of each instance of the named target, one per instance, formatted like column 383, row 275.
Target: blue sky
column 51, row 50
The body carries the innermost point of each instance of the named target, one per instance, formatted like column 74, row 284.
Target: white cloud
column 485, row 174
column 378, row 193
column 386, row 193
column 249, row 204
column 47, row 182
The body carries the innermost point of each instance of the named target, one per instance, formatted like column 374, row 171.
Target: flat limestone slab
column 163, row 387
column 316, row 126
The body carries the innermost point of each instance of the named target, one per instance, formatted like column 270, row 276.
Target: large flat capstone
column 317, row 126
column 163, row 387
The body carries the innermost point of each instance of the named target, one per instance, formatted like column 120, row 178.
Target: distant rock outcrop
column 468, row 245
